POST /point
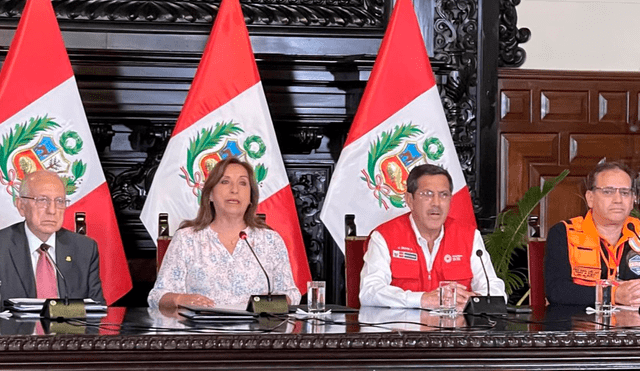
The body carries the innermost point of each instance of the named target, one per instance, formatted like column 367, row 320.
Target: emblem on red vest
column 452, row 258
column 405, row 255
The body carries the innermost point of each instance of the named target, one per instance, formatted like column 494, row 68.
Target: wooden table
column 552, row 338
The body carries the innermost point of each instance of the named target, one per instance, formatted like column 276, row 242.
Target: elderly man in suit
column 27, row 248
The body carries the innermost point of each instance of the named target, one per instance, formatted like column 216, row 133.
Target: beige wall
column 598, row 35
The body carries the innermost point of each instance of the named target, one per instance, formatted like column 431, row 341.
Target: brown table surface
column 373, row 338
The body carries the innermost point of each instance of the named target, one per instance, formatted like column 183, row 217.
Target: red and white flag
column 400, row 124
column 226, row 114
column 43, row 126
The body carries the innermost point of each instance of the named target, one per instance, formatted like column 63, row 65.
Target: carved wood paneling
column 511, row 54
column 589, row 116
column 348, row 13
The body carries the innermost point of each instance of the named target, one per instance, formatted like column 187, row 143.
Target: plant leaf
column 510, row 233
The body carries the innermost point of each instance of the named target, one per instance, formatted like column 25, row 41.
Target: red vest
column 408, row 264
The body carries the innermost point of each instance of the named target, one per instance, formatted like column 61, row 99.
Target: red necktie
column 46, row 282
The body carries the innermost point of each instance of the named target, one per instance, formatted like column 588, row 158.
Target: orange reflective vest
column 585, row 254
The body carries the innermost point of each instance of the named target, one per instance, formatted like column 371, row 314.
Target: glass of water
column 447, row 296
column 604, row 292
column 315, row 296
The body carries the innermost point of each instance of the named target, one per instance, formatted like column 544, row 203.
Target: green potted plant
column 511, row 234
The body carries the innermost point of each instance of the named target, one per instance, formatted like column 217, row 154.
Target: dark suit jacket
column 76, row 256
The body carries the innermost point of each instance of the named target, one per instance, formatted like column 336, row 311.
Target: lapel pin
column 68, row 258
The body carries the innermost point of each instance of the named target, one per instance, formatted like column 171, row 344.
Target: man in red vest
column 603, row 244
column 408, row 256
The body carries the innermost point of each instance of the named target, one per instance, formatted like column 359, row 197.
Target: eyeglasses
column 610, row 191
column 429, row 195
column 44, row 202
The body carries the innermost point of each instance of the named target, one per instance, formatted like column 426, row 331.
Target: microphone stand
column 59, row 309
column 493, row 305
column 273, row 304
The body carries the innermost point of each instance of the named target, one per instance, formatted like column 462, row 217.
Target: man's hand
column 430, row 300
column 462, row 296
column 628, row 292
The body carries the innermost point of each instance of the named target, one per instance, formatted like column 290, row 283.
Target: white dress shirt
column 34, row 245
column 375, row 278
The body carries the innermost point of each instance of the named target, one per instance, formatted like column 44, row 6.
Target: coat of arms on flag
column 212, row 145
column 37, row 145
column 395, row 155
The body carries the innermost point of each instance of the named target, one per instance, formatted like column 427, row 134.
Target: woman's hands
column 172, row 300
column 194, row 299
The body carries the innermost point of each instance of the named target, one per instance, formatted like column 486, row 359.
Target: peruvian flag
column 43, row 126
column 400, row 124
column 226, row 114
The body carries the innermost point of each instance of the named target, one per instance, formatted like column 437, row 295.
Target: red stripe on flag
column 280, row 210
column 112, row 322
column 461, row 206
column 402, row 58
column 227, row 51
column 37, row 61
column 102, row 226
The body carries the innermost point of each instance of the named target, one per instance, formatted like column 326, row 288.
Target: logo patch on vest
column 452, row 258
column 405, row 255
column 586, row 273
column 634, row 243
column 634, row 264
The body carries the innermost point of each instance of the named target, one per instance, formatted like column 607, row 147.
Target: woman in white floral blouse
column 208, row 264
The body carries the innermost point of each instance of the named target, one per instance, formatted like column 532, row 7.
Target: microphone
column 494, row 305
column 69, row 308
column 243, row 236
column 484, row 269
column 276, row 304
column 64, row 280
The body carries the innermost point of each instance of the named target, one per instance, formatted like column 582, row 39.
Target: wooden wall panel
column 518, row 152
column 515, row 105
column 587, row 149
column 566, row 199
column 577, row 119
column 564, row 106
column 613, row 107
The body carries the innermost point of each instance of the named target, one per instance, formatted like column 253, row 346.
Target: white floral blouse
column 198, row 263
